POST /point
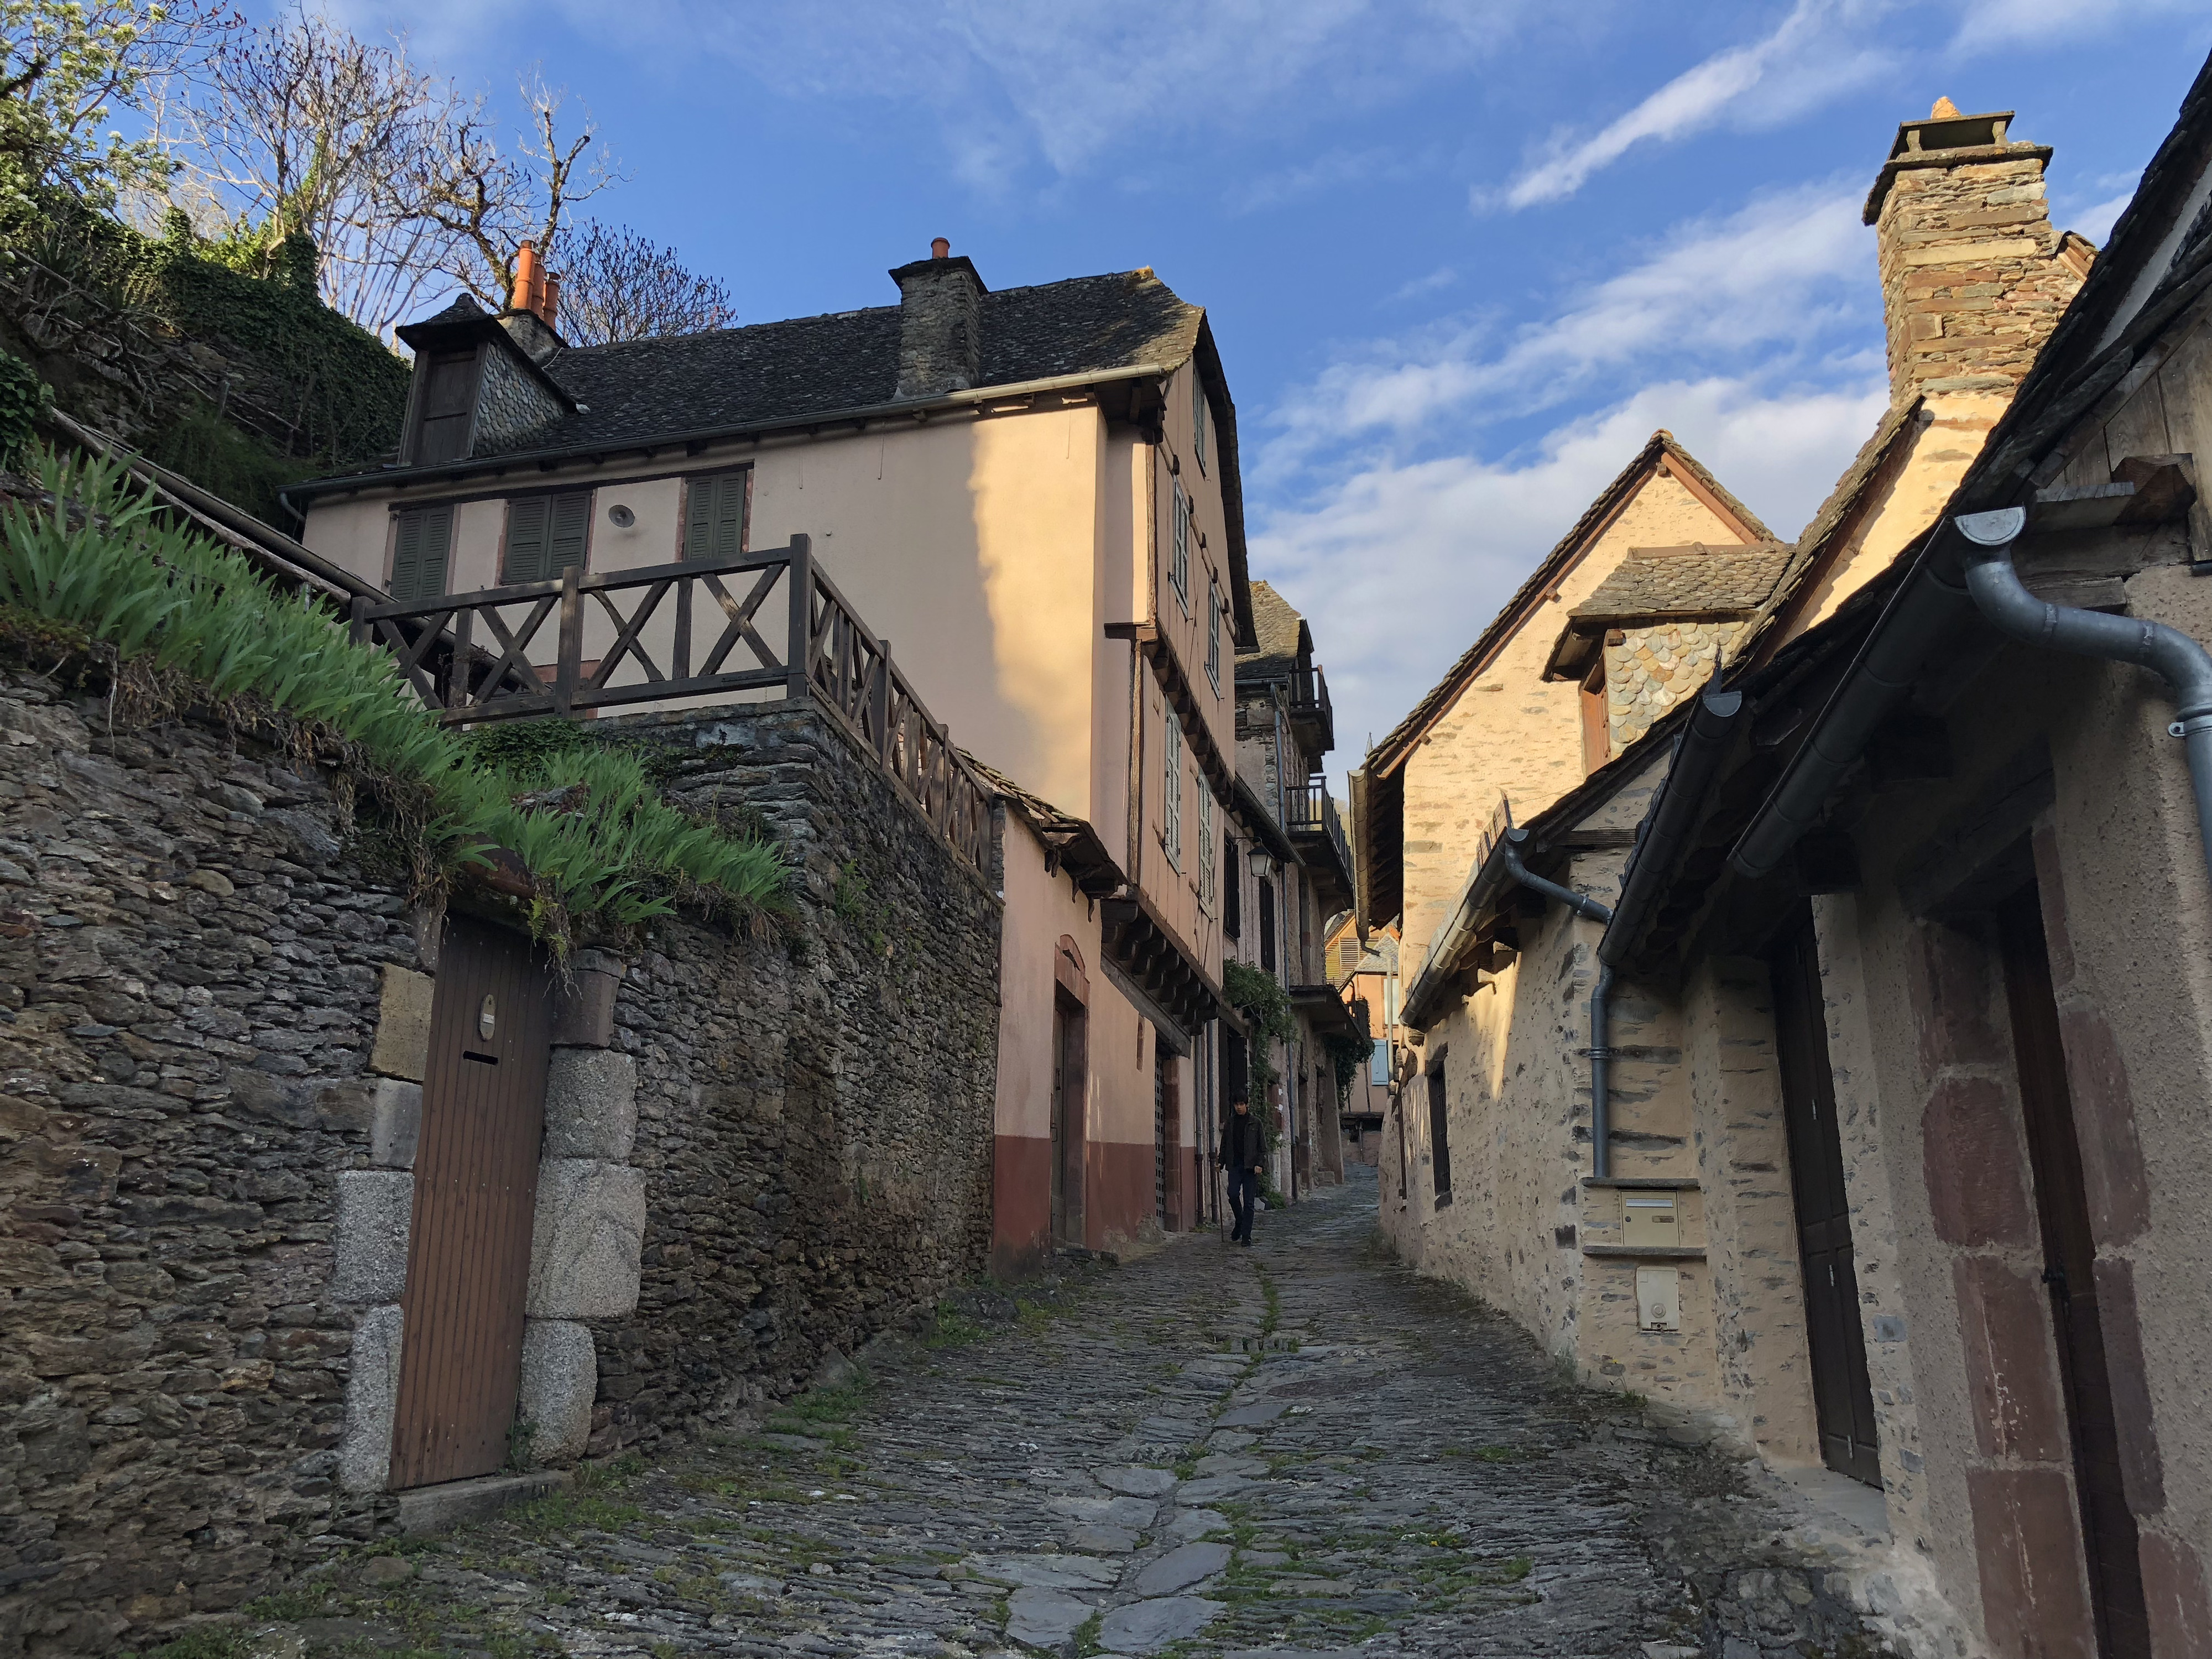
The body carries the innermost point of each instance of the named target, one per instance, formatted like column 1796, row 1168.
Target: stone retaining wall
column 200, row 984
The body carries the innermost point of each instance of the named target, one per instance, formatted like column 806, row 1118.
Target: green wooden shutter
column 715, row 517
column 418, row 558
column 526, row 540
column 571, row 534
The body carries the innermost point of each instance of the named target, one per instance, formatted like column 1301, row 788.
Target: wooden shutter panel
column 526, row 540
column 571, row 531
column 715, row 517
column 418, row 558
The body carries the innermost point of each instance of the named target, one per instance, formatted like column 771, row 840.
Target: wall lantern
column 1263, row 866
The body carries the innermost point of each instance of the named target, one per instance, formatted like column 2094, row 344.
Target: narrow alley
column 1301, row 1449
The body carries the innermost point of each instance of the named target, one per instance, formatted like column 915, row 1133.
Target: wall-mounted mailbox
column 1658, row 1299
column 1650, row 1221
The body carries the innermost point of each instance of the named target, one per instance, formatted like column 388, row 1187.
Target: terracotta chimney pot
column 1945, row 110
column 552, row 297
column 525, row 279
column 940, row 249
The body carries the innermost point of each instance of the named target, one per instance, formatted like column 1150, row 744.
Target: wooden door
column 475, row 1185
column 2070, row 1256
column 1070, row 1064
column 1843, row 1398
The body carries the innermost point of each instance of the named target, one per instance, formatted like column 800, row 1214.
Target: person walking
column 1243, row 1152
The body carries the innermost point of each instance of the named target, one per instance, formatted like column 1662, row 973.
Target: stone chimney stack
column 1973, row 277
column 940, row 324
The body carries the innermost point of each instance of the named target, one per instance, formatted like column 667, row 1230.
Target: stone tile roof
column 1661, row 446
column 1282, row 632
column 1697, row 581
column 642, row 390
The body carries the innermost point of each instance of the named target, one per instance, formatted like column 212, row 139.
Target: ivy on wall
column 244, row 381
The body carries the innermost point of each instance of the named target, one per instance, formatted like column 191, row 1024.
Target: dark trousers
column 1243, row 1199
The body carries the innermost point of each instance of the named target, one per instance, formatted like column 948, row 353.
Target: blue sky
column 1461, row 256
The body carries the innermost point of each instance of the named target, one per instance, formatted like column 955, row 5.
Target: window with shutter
column 1205, row 847
column 546, row 534
column 526, row 521
column 1213, row 633
column 1171, row 789
column 1179, row 550
column 714, row 516
column 420, row 543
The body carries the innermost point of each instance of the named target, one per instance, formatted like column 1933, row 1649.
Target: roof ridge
column 1661, row 444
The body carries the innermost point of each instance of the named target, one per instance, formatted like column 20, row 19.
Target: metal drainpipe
column 1600, row 1001
column 2179, row 660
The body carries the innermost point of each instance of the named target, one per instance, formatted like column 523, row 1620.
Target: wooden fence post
column 798, row 669
column 357, row 624
column 879, row 701
column 572, row 639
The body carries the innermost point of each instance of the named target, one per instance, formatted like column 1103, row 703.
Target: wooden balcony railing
column 1309, row 810
column 1310, row 700
column 491, row 656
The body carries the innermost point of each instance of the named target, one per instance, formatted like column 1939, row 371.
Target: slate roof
column 1661, row 445
column 1697, row 581
column 1282, row 632
column 643, row 389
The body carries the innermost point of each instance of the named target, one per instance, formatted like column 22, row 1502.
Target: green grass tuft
column 601, row 848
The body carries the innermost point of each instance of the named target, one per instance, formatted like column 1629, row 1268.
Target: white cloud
column 1773, row 277
column 1004, row 80
column 1805, row 61
column 1461, row 533
column 1987, row 24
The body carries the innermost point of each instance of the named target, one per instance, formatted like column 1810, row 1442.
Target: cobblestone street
column 1301, row 1447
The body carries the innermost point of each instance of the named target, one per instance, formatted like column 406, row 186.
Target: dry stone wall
column 196, row 964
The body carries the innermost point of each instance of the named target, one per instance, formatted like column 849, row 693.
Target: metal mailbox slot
column 1651, row 1221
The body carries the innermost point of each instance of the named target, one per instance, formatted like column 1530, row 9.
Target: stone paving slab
column 1403, row 1474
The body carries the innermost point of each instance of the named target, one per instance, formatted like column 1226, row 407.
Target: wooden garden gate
column 475, row 1190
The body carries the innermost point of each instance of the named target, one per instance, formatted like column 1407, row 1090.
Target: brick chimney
column 940, row 324
column 1973, row 277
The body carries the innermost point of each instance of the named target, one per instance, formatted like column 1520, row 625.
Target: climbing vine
column 190, row 335
column 1268, row 1019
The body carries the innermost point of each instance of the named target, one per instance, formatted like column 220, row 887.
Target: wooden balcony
column 1309, row 815
column 1311, row 712
column 690, row 630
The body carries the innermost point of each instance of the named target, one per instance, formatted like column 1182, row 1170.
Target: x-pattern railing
column 485, row 656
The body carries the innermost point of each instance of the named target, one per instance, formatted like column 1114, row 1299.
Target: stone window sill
column 1649, row 1252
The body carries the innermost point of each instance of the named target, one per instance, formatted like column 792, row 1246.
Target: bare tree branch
column 616, row 285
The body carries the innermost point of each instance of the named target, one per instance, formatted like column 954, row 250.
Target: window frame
column 1179, row 547
column 1440, row 1177
column 551, row 497
column 1214, row 631
column 715, row 475
column 424, row 511
column 1171, row 748
column 1379, row 1063
column 1207, row 876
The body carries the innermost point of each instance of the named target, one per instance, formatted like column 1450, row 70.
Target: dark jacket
column 1241, row 1146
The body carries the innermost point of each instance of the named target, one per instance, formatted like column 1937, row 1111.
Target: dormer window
column 449, row 407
